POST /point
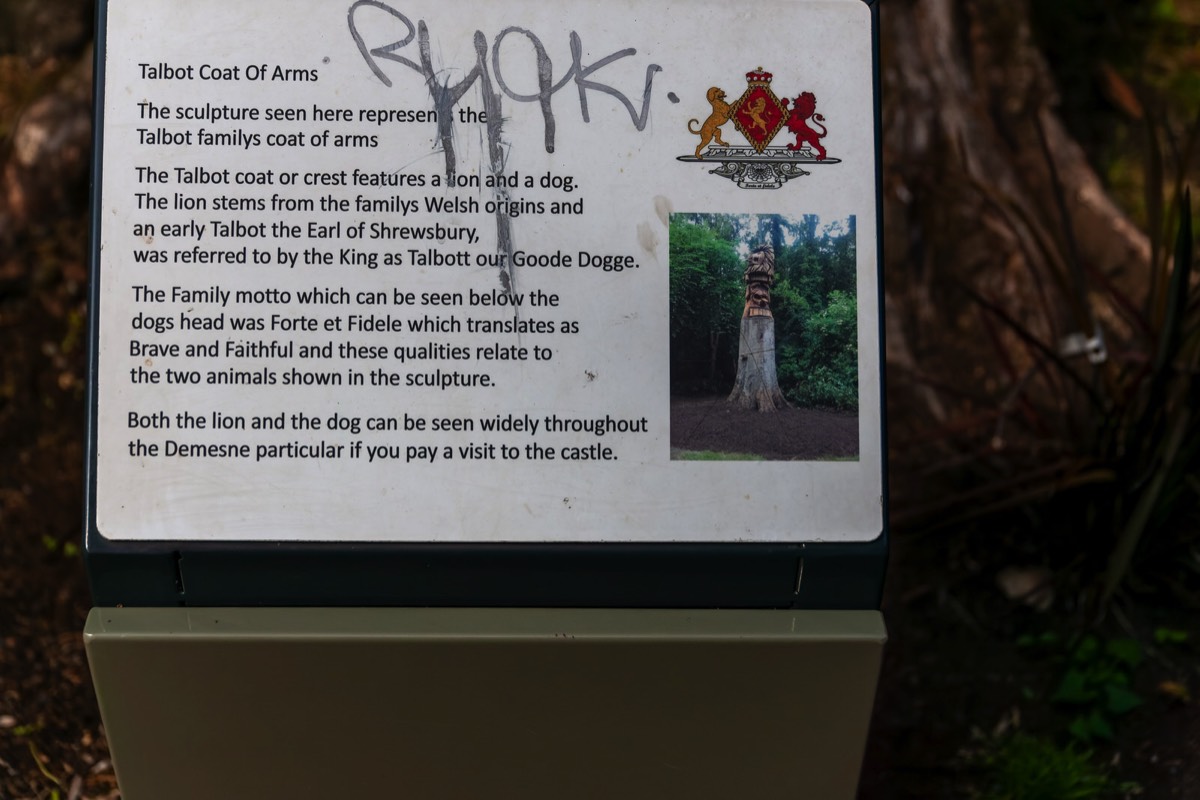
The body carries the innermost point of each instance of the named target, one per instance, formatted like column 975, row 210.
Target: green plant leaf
column 1099, row 726
column 1114, row 678
column 1165, row 11
column 1127, row 651
column 1074, row 688
column 1169, row 636
column 1087, row 650
column 1119, row 700
column 1080, row 730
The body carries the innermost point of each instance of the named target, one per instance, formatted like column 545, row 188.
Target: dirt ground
column 953, row 674
column 790, row 434
column 50, row 734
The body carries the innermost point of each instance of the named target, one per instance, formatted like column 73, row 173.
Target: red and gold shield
column 758, row 114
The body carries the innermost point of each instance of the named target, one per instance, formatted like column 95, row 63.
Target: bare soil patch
column 789, row 434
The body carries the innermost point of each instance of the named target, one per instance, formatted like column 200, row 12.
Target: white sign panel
column 477, row 271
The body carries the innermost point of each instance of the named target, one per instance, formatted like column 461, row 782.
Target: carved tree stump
column 757, row 385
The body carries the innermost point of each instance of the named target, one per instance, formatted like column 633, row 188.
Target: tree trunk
column 985, row 196
column 757, row 385
column 45, row 113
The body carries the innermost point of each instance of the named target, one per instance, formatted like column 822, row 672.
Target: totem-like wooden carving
column 757, row 385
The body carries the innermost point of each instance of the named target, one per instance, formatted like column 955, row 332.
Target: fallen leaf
column 1176, row 691
column 1120, row 93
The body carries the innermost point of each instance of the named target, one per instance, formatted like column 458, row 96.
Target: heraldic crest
column 758, row 115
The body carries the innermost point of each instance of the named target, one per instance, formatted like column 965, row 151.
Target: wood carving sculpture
column 757, row 384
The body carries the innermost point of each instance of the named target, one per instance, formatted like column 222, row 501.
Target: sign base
column 449, row 703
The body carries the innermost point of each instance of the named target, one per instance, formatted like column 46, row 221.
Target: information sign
column 486, row 273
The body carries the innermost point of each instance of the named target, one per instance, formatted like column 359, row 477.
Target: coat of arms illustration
column 758, row 115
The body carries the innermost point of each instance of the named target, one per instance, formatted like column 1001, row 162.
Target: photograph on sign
column 765, row 304
column 487, row 272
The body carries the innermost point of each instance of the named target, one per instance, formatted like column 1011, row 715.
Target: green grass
column 1032, row 768
column 712, row 455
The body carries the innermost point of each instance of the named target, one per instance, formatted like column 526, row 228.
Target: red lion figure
column 804, row 108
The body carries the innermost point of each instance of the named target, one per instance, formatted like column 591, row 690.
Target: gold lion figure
column 711, row 129
column 754, row 111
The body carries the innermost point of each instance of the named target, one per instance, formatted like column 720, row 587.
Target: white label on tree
column 478, row 272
